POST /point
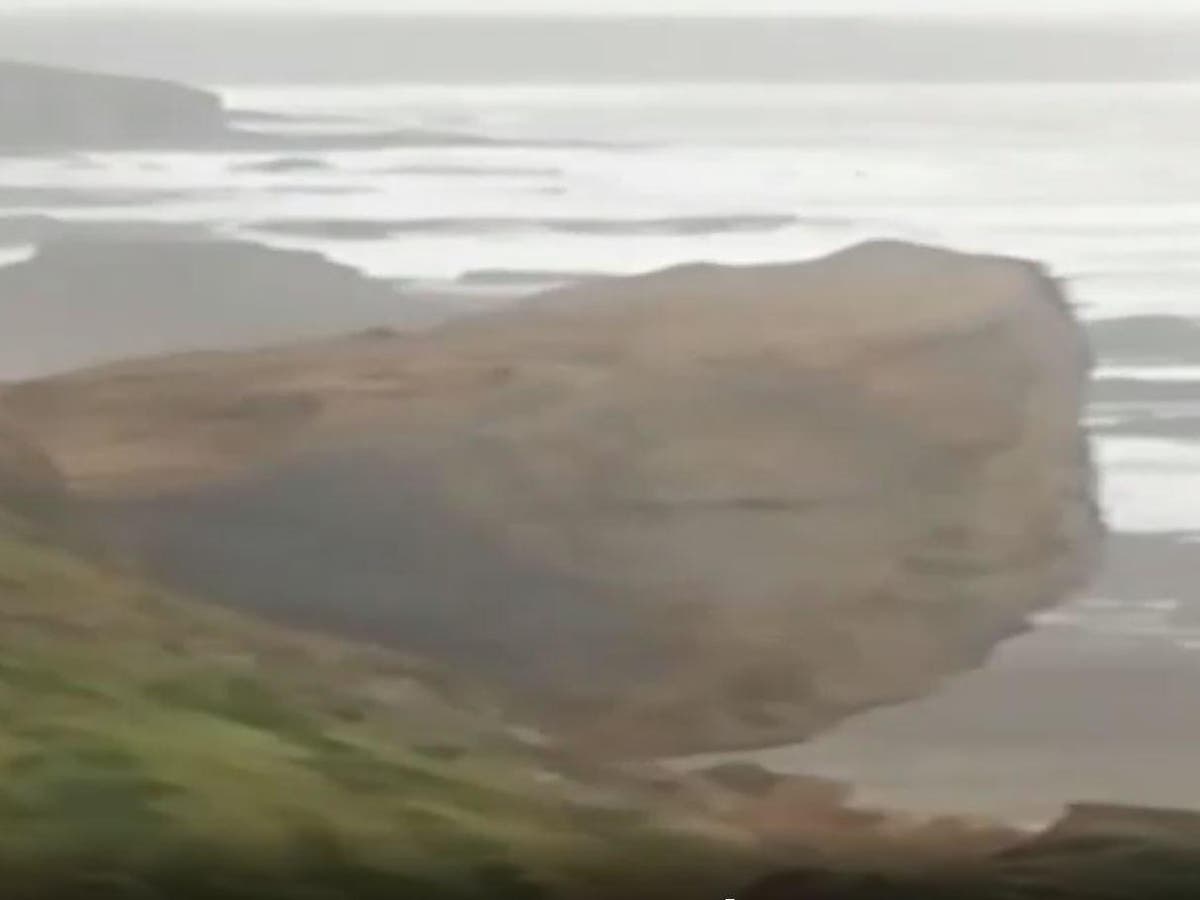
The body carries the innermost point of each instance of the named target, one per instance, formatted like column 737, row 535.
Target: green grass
column 151, row 747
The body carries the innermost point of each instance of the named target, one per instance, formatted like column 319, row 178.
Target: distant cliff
column 48, row 108
column 83, row 301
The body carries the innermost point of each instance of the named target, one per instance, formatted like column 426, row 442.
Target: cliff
column 700, row 509
column 88, row 299
column 42, row 107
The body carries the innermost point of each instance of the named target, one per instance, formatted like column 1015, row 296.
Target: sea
column 547, row 183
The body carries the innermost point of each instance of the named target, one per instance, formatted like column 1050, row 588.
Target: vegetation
column 152, row 748
column 155, row 748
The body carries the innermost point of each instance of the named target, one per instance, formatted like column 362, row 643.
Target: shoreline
column 1076, row 710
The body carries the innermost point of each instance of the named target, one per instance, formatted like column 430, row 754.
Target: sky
column 958, row 8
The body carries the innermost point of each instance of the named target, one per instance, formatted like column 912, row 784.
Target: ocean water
column 1150, row 485
column 1096, row 180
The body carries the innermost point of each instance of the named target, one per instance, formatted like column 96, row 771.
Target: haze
column 231, row 48
column 977, row 8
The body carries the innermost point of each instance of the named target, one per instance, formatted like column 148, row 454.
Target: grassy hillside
column 150, row 747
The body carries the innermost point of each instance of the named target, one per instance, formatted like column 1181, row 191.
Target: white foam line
column 1149, row 485
column 1148, row 373
column 10, row 255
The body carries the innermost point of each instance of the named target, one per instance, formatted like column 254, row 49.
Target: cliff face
column 701, row 509
column 48, row 108
column 30, row 484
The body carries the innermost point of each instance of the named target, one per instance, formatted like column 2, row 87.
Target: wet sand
column 22, row 197
column 1147, row 339
column 1073, row 711
column 38, row 229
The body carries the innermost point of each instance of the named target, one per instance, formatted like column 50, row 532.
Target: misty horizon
column 260, row 47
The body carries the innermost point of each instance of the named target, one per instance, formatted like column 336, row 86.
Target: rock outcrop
column 42, row 108
column 702, row 509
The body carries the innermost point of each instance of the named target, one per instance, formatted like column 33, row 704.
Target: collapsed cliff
column 701, row 509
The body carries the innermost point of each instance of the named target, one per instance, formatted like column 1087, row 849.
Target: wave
column 1168, row 373
column 19, row 253
column 468, row 171
column 1150, row 484
column 364, row 229
column 240, row 139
